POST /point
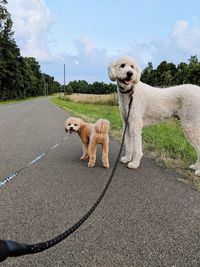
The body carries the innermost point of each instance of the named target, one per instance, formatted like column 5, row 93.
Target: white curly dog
column 151, row 105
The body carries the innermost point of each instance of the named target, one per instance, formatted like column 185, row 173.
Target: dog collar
column 131, row 90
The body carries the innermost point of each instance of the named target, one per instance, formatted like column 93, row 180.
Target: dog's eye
column 122, row 65
column 75, row 124
column 69, row 124
column 132, row 66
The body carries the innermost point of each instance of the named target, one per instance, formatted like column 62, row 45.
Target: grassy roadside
column 92, row 112
column 165, row 141
column 8, row 102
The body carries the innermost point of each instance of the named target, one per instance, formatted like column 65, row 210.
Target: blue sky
column 88, row 35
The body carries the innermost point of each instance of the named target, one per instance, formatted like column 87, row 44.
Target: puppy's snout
column 71, row 128
column 129, row 74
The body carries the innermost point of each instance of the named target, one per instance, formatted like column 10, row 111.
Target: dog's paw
column 124, row 160
column 133, row 165
column 106, row 165
column 193, row 167
column 90, row 164
column 84, row 157
column 197, row 172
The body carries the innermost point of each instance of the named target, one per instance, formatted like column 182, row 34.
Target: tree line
column 20, row 77
column 168, row 74
column 81, row 86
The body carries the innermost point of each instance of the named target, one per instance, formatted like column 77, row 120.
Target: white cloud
column 88, row 61
column 32, row 21
column 76, row 62
column 84, row 45
column 182, row 42
column 186, row 37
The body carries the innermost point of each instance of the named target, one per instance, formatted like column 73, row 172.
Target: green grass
column 11, row 102
column 92, row 112
column 165, row 141
column 15, row 101
column 168, row 139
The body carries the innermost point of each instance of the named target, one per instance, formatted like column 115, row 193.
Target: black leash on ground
column 9, row 248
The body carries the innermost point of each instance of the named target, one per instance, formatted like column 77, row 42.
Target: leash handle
column 10, row 248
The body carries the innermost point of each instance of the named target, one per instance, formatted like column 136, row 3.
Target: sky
column 87, row 35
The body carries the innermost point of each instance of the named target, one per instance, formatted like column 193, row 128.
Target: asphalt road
column 147, row 218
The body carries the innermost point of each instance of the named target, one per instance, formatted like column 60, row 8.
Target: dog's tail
column 102, row 126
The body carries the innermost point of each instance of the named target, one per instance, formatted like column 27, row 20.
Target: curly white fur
column 151, row 105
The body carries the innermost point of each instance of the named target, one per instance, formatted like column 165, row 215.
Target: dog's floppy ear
column 138, row 73
column 112, row 72
column 65, row 127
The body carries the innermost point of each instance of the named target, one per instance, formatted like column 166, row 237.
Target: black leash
column 9, row 248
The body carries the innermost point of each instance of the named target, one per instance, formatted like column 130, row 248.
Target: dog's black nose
column 129, row 74
column 71, row 128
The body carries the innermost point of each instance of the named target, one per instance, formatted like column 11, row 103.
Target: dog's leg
column 105, row 154
column 197, row 171
column 128, row 147
column 85, row 152
column 92, row 153
column 196, row 166
column 194, row 138
column 135, row 146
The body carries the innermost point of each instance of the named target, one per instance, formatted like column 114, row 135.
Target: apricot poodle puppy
column 91, row 135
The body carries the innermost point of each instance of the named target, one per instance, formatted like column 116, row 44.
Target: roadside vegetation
column 105, row 99
column 20, row 77
column 13, row 101
column 165, row 141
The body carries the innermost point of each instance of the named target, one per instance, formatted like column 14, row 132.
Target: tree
column 9, row 55
column 148, row 75
column 19, row 77
column 193, row 74
column 167, row 74
column 164, row 75
column 181, row 73
column 68, row 90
